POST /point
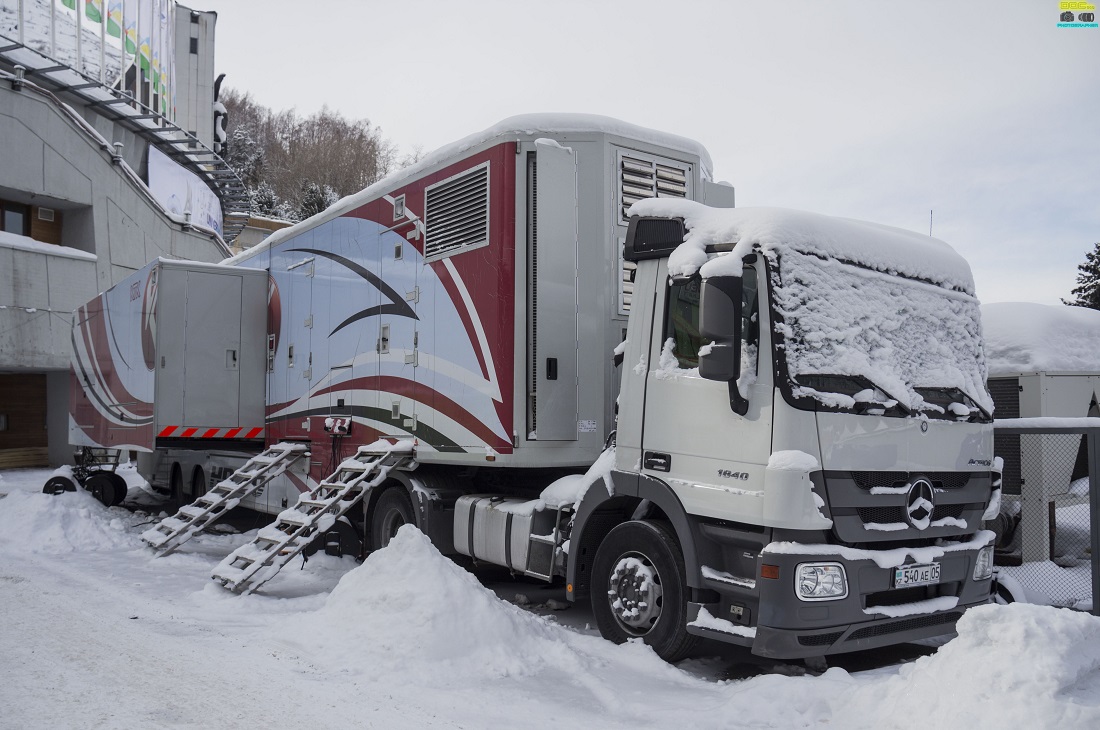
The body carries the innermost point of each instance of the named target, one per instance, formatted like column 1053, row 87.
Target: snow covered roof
column 876, row 246
column 1023, row 337
column 523, row 124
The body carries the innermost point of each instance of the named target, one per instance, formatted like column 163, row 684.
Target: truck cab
column 803, row 430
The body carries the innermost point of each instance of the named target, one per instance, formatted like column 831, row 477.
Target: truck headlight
column 820, row 582
column 983, row 565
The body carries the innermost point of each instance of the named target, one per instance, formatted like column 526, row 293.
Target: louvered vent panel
column 627, row 285
column 456, row 214
column 642, row 179
column 1006, row 400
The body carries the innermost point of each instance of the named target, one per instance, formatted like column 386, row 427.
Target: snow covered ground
column 96, row 632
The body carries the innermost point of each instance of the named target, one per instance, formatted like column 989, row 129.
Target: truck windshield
column 862, row 340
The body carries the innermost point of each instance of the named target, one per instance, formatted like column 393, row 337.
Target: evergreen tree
column 1087, row 291
column 314, row 198
column 265, row 202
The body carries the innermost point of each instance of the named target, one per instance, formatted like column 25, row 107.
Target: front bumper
column 873, row 614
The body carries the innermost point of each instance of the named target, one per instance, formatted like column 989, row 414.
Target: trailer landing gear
column 108, row 487
column 59, row 485
column 94, row 471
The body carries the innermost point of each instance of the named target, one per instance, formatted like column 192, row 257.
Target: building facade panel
column 85, row 220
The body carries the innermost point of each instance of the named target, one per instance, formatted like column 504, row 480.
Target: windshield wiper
column 851, row 386
column 955, row 395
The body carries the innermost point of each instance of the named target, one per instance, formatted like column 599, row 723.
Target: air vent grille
column 456, row 214
column 626, row 289
column 642, row 179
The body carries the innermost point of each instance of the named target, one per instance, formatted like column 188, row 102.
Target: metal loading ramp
column 191, row 519
column 253, row 564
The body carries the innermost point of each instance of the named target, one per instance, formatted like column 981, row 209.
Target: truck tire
column 58, row 485
column 175, row 486
column 639, row 588
column 392, row 511
column 198, row 484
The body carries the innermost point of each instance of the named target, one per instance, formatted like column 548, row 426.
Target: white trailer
column 790, row 451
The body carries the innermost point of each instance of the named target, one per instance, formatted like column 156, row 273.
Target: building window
column 15, row 218
column 194, row 46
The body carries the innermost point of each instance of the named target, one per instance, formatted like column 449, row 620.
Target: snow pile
column 1011, row 666
column 793, row 461
column 64, row 523
column 1022, row 337
column 855, row 298
column 569, row 490
column 408, row 614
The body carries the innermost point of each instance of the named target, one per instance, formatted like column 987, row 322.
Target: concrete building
column 255, row 230
column 86, row 196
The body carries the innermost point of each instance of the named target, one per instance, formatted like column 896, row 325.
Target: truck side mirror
column 720, row 322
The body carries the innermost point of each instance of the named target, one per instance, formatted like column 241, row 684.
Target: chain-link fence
column 1047, row 539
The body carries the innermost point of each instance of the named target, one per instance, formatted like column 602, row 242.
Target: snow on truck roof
column 523, row 124
column 1024, row 337
column 879, row 247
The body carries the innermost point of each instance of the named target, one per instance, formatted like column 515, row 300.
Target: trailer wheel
column 198, row 484
column 108, row 487
column 640, row 567
column 58, row 485
column 392, row 511
column 175, row 486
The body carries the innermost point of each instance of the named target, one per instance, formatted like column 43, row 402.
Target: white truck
column 790, row 449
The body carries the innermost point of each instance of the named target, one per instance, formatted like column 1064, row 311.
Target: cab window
column 682, row 322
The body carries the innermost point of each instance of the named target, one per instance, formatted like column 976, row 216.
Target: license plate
column 917, row 575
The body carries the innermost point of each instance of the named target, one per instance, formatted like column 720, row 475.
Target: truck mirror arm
column 739, row 404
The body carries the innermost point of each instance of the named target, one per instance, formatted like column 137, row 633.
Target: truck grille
column 905, row 625
column 939, row 479
column 885, row 515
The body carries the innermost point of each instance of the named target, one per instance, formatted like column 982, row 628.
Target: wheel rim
column 635, row 593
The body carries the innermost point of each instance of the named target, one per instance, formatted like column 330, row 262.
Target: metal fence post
column 1093, row 436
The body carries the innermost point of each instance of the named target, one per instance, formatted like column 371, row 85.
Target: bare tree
column 293, row 164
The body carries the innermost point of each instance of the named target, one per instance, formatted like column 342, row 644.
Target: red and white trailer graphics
column 468, row 302
column 172, row 352
column 459, row 302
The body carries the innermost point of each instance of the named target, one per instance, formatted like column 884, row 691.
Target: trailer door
column 399, row 337
column 552, row 241
column 298, row 353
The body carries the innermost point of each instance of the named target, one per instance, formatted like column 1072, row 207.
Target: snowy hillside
column 98, row 633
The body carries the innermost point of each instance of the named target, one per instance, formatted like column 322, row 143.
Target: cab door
column 691, row 438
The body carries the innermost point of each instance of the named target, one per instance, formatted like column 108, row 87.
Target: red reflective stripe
column 254, row 433
column 167, row 431
column 233, row 433
column 210, row 433
column 188, row 433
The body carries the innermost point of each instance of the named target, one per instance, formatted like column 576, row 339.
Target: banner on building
column 181, row 191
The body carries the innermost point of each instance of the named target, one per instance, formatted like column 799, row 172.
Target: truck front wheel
column 639, row 590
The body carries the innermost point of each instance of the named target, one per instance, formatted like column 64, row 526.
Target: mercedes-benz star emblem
column 920, row 503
